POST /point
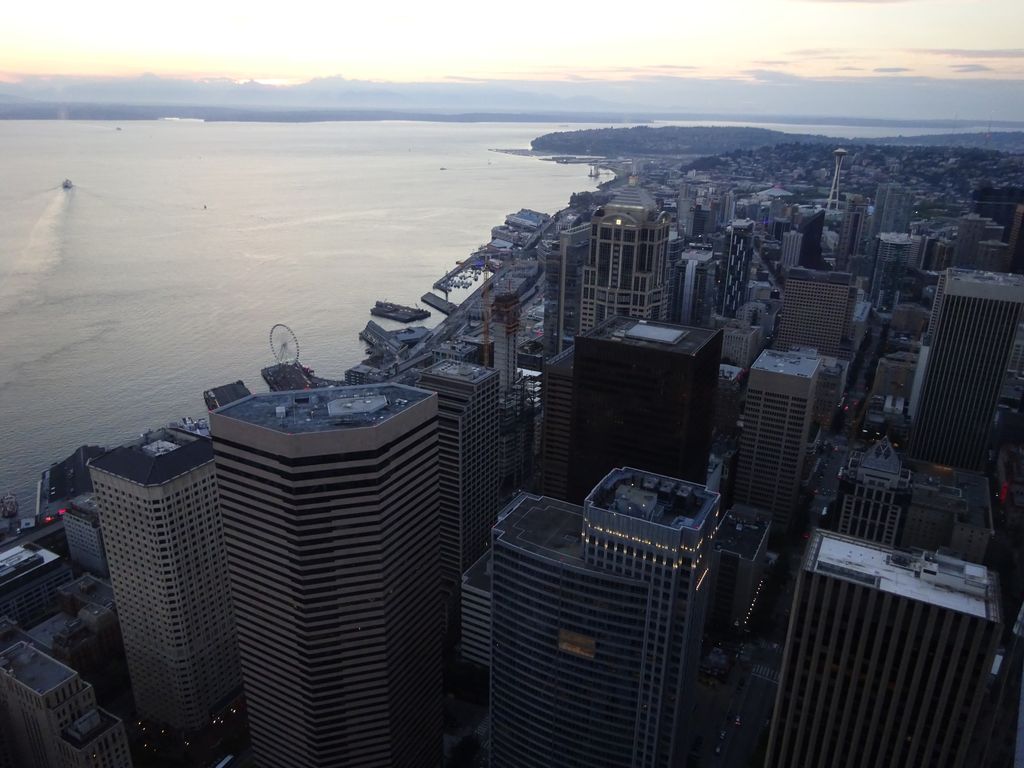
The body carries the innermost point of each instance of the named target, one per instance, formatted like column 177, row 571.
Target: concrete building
column 641, row 396
column 971, row 230
column 157, row 498
column 739, row 253
column 777, row 420
column 741, row 344
column 894, row 375
column 50, row 715
column 737, row 566
column 817, row 312
column 625, row 271
column 563, row 278
column 467, row 428
column 598, row 615
column 476, row 612
column 830, row 389
column 874, row 492
column 887, row 658
column 729, row 399
column 948, row 509
column 556, row 431
column 974, row 321
column 85, row 537
column 892, row 255
column 992, row 256
column 505, row 332
column 331, row 518
column 792, row 243
column 30, row 578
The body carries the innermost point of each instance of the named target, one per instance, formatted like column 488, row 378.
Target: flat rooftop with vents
column 34, row 669
column 324, row 410
column 156, row 457
column 680, row 339
column 658, row 499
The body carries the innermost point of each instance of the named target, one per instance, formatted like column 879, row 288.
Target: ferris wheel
column 284, row 345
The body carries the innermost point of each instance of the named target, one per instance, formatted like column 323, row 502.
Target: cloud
column 974, row 53
column 970, row 68
column 851, row 69
column 772, row 76
column 891, row 70
column 772, row 62
column 861, row 2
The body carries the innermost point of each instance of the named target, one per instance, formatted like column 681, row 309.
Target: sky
column 952, row 41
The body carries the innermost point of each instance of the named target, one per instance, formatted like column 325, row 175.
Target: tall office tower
column 851, row 232
column 992, row 256
column 777, row 420
column 625, row 270
column 50, row 717
column 1017, row 240
column 792, row 244
column 971, row 230
column 557, row 427
column 974, row 323
column 887, row 659
column 736, row 261
column 892, row 254
column 696, row 223
column 562, row 274
column 158, row 505
column 642, row 395
column 892, row 210
column 505, row 331
column 85, row 537
column 874, row 489
column 817, row 312
column 597, row 619
column 810, row 244
column 331, row 519
column 998, row 203
column 692, row 288
column 467, row 427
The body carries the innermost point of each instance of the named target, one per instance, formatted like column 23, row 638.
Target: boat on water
column 67, row 184
column 398, row 312
column 8, row 505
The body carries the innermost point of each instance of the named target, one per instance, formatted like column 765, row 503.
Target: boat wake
column 20, row 278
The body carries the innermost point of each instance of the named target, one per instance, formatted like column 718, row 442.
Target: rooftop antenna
column 833, row 193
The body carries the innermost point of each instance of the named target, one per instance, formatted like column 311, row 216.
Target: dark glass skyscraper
column 732, row 289
column 642, row 395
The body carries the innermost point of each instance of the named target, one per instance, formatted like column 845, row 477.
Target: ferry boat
column 67, row 184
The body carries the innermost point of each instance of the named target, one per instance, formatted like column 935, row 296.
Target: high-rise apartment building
column 331, row 519
column 974, row 321
column 777, row 419
column 887, row 659
column 892, row 209
column 874, row 491
column 505, row 331
column 468, row 444
column 158, row 505
column 563, row 275
column 892, row 255
column 625, row 271
column 50, row 717
column 732, row 289
column 597, row 619
column 817, row 312
column 642, row 395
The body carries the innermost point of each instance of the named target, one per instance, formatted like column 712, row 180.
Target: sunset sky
column 401, row 40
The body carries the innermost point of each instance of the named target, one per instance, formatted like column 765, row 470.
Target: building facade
column 331, row 519
column 736, row 260
column 30, row 578
column 875, row 491
column 817, row 312
column 598, row 615
column 85, row 538
column 625, row 271
column 974, row 321
column 887, row 658
column 563, row 275
column 158, row 505
column 556, row 431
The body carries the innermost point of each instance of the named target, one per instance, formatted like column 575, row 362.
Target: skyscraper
column 1016, row 241
column 692, row 288
column 817, row 312
column 562, row 275
column 887, row 658
column 777, row 419
column 892, row 254
column 158, row 504
column 330, row 506
column 467, row 426
column 892, row 209
column 505, row 330
column 971, row 230
column 851, row 232
column 557, row 427
column 50, row 717
column 810, row 242
column 625, row 271
column 736, row 266
column 642, row 395
column 974, row 321
column 597, row 619
column 875, row 490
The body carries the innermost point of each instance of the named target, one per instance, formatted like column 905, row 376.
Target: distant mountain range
column 684, row 141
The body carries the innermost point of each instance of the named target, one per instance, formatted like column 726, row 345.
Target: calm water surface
column 160, row 274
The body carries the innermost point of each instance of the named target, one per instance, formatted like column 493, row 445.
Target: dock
column 441, row 305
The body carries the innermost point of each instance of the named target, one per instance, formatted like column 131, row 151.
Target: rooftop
column 19, row 560
column 89, row 727
column 970, row 282
column 544, row 526
column 743, row 530
column 453, row 369
column 661, row 336
column 789, row 363
column 633, row 200
column 90, row 590
column 324, row 410
column 478, row 575
column 156, row 457
column 658, row 499
column 224, row 394
column 819, row 276
column 930, row 578
column 68, row 478
column 965, row 494
column 34, row 669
